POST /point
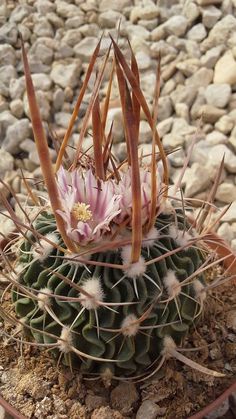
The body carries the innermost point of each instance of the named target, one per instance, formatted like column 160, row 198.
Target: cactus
column 109, row 273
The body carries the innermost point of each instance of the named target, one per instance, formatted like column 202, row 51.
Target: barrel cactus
column 110, row 274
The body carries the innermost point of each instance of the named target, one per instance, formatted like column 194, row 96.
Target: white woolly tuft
column 150, row 238
column 166, row 207
column 93, row 287
column 18, row 269
column 181, row 237
column 65, row 340
column 168, row 346
column 199, row 290
column 42, row 249
column 130, row 326
column 172, row 284
column 134, row 269
column 44, row 298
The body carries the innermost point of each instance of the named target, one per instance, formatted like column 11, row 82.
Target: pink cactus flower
column 89, row 205
column 124, row 189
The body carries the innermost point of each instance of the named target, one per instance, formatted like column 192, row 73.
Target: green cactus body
column 110, row 333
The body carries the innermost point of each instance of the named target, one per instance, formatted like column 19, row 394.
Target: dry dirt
column 35, row 385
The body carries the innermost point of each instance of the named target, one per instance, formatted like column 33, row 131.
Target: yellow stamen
column 81, row 212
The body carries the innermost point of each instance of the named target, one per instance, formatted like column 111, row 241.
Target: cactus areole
column 109, row 274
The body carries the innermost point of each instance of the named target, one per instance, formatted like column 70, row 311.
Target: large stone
column 84, row 49
column 165, row 108
column 41, row 81
column 216, row 137
column 147, row 12
column 184, row 94
column 45, row 6
column 196, row 183
column 218, row 94
column 15, row 134
column 197, row 33
column 43, row 27
column 225, row 124
column 201, row 78
column 66, row 10
column 210, row 15
column 210, row 113
column 176, row 25
column 191, row 11
column 8, row 33
column 211, row 57
column 220, row 33
column 225, row 69
column 7, row 55
column 109, row 19
column 66, row 74
column 6, row 120
column 226, row 192
column 230, row 215
column 6, row 162
column 20, row 12
column 215, row 156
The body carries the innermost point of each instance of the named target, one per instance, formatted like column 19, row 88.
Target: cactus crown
column 109, row 274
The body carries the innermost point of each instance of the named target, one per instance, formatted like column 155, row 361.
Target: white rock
column 177, row 158
column 66, row 74
column 62, row 119
column 210, row 113
column 74, row 22
column 215, row 156
column 197, row 33
column 210, row 15
column 7, row 73
column 220, row 32
column 17, row 88
column 45, row 6
column 143, row 60
column 6, row 162
column 225, row 124
column 58, row 99
column 84, row 49
column 7, row 55
column 173, row 140
column 6, row 120
column 180, row 126
column 159, row 33
column 20, row 12
column 182, row 111
column 201, row 78
column 15, row 134
column 226, row 193
column 43, row 27
column 218, row 94
column 189, row 66
column 72, row 37
column 8, row 33
column 230, row 215
column 66, row 10
column 147, row 12
column 45, row 52
column 184, row 94
column 176, row 25
column 212, row 55
column 41, row 81
column 109, row 19
column 145, row 133
column 164, row 126
column 17, row 108
column 225, row 69
column 191, row 11
column 225, row 231
column 165, row 108
column 216, row 137
column 195, row 182
column 133, row 31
